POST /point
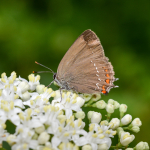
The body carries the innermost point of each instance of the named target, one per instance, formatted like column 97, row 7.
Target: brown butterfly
column 84, row 68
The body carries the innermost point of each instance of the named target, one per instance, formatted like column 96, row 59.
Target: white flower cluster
column 58, row 125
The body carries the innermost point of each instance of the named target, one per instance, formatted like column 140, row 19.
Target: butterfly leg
column 50, row 83
column 60, row 93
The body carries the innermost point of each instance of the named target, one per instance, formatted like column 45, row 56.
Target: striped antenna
column 44, row 67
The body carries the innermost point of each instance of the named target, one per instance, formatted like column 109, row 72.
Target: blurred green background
column 43, row 30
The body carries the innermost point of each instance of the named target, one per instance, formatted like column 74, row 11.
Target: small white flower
column 102, row 146
column 126, row 138
column 23, row 87
column 80, row 101
column 25, row 96
column 110, row 108
column 87, row 147
column 8, row 81
column 101, row 104
column 116, row 105
column 111, row 101
column 136, row 122
column 67, row 131
column 123, row 108
column 50, row 117
column 40, row 88
column 97, row 135
column 129, row 149
column 115, row 122
column 9, row 95
column 126, row 119
column 33, row 81
column 27, row 121
column 43, row 138
column 142, row 146
column 48, row 92
column 24, row 140
column 68, row 103
column 40, row 129
column 80, row 114
column 9, row 112
column 38, row 101
column 96, row 117
column 135, row 129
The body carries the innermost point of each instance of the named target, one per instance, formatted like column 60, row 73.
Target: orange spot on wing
column 103, row 87
column 107, row 75
column 107, row 81
column 104, row 92
column 106, row 70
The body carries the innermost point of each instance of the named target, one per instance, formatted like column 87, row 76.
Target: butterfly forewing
column 84, row 68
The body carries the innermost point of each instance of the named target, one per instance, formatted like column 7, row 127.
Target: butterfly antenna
column 45, row 67
column 42, row 71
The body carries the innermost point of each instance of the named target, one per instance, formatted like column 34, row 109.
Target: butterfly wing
column 84, row 68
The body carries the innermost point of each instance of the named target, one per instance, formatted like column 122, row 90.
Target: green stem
column 108, row 116
column 89, row 103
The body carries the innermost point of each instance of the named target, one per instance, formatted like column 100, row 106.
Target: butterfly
column 85, row 68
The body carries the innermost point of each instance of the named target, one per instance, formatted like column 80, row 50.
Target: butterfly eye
column 54, row 76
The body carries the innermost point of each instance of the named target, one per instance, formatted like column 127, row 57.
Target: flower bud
column 96, row 117
column 25, row 96
column 43, row 138
column 123, row 108
column 126, row 119
column 111, row 101
column 116, row 123
column 116, row 105
column 135, row 129
column 40, row 88
column 101, row 104
column 23, row 86
column 40, row 129
column 87, row 97
column 80, row 114
column 142, row 145
column 86, row 147
column 96, row 97
column 129, row 149
column 90, row 113
column 103, row 146
column 80, row 101
column 126, row 138
column 136, row 122
column 110, row 108
column 119, row 131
